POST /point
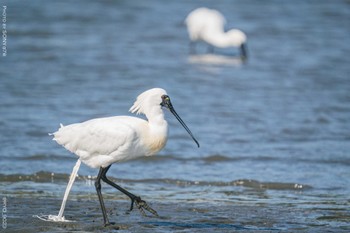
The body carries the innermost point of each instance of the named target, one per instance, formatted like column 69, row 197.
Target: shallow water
column 274, row 130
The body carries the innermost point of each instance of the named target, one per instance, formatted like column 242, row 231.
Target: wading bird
column 103, row 141
column 207, row 25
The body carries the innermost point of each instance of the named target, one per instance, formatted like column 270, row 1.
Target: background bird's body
column 103, row 141
column 207, row 25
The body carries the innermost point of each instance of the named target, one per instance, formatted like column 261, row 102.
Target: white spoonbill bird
column 103, row 141
column 207, row 25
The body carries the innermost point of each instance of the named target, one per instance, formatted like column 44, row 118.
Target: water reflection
column 215, row 59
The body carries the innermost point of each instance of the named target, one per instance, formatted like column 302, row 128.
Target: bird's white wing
column 98, row 138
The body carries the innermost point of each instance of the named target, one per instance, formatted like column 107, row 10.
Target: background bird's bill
column 166, row 103
column 244, row 51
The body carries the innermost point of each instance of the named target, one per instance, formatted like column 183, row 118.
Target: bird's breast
column 155, row 144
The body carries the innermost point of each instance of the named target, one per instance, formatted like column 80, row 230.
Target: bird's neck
column 221, row 39
column 157, row 132
column 157, row 123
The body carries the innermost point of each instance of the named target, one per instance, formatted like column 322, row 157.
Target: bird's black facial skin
column 167, row 104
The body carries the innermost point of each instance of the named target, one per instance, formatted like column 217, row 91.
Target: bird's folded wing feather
column 102, row 136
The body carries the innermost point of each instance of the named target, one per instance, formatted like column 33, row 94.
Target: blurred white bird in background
column 207, row 25
column 103, row 141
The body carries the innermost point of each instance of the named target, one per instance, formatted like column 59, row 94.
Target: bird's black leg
column 141, row 204
column 101, row 173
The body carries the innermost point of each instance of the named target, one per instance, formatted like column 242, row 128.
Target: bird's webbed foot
column 142, row 206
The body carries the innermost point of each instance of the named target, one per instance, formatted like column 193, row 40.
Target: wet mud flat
column 173, row 217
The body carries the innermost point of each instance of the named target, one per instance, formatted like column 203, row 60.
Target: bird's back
column 203, row 21
column 103, row 141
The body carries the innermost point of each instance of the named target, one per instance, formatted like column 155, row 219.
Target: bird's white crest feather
column 146, row 99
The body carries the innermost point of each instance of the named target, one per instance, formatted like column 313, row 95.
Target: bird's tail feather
column 53, row 134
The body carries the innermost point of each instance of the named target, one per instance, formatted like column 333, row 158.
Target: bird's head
column 153, row 99
column 166, row 103
column 239, row 39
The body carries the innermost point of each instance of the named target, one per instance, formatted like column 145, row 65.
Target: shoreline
column 195, row 217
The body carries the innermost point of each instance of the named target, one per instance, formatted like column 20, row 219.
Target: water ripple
column 43, row 177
